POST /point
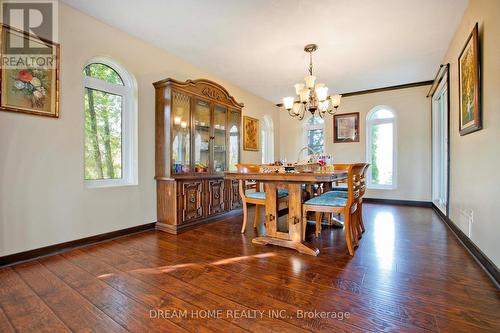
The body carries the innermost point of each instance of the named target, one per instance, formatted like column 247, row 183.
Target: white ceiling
column 258, row 44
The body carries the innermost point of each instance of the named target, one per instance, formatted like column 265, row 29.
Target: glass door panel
column 440, row 147
column 201, row 136
column 181, row 158
column 234, row 140
column 220, row 116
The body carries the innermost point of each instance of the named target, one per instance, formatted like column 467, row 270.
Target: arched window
column 110, row 124
column 381, row 147
column 267, row 134
column 314, row 134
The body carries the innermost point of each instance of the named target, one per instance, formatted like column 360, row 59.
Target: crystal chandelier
column 312, row 97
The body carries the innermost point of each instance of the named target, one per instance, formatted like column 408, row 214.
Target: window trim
column 267, row 133
column 128, row 91
column 308, row 127
column 369, row 124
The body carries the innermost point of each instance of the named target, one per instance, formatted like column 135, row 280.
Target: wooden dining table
column 293, row 182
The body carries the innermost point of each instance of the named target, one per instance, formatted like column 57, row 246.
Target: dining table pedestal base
column 301, row 247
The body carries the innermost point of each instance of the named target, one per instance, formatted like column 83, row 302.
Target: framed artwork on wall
column 29, row 74
column 346, row 127
column 250, row 133
column 469, row 85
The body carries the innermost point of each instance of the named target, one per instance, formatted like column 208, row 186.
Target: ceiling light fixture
column 312, row 97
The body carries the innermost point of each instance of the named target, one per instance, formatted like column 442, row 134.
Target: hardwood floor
column 410, row 274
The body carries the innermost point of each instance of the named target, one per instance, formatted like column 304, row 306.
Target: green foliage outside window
column 103, row 127
column 315, row 140
column 374, row 167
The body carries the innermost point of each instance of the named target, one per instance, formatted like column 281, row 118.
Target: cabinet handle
column 217, row 195
column 192, row 199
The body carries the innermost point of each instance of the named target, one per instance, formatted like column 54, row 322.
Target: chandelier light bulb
column 322, row 93
column 298, row 88
column 335, row 100
column 177, row 120
column 288, row 102
column 304, row 94
column 296, row 108
column 310, row 79
column 183, row 124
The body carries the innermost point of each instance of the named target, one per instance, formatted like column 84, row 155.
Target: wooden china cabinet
column 198, row 135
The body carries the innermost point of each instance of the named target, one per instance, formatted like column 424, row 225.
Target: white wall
column 413, row 150
column 43, row 200
column 475, row 158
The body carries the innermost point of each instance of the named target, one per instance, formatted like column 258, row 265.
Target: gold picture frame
column 250, row 133
column 29, row 82
column 469, row 85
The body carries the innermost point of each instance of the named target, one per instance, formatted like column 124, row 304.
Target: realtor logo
column 37, row 18
column 29, row 33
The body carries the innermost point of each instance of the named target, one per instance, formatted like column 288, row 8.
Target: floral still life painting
column 29, row 81
column 250, row 133
column 469, row 85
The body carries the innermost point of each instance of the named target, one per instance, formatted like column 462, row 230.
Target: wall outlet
column 466, row 220
column 471, row 220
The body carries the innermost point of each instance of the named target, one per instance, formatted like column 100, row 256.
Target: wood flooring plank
column 75, row 311
column 259, row 301
column 5, row 325
column 381, row 324
column 24, row 309
column 141, row 269
column 402, row 306
column 133, row 316
column 154, row 298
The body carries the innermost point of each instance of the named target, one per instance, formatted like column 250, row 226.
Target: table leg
column 293, row 239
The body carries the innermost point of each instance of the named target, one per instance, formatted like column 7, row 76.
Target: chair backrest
column 363, row 180
column 354, row 183
column 340, row 167
column 247, row 168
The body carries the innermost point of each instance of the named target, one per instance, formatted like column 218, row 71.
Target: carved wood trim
column 205, row 88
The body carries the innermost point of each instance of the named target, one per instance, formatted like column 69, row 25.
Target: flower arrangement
column 34, row 84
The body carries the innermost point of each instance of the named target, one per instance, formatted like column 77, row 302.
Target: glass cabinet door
column 234, row 140
column 220, row 125
column 201, row 136
column 181, row 158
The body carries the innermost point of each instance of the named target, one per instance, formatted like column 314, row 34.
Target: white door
column 440, row 146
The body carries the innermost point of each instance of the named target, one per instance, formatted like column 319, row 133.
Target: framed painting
column 250, row 133
column 469, row 85
column 346, row 127
column 29, row 73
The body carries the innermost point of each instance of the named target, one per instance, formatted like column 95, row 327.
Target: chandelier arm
column 302, row 112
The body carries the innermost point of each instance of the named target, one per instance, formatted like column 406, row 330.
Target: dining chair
column 362, row 191
column 257, row 198
column 339, row 202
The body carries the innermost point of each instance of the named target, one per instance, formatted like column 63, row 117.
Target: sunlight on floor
column 384, row 239
column 166, row 269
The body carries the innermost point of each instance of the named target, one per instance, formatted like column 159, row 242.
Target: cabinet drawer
column 234, row 195
column 215, row 195
column 190, row 201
